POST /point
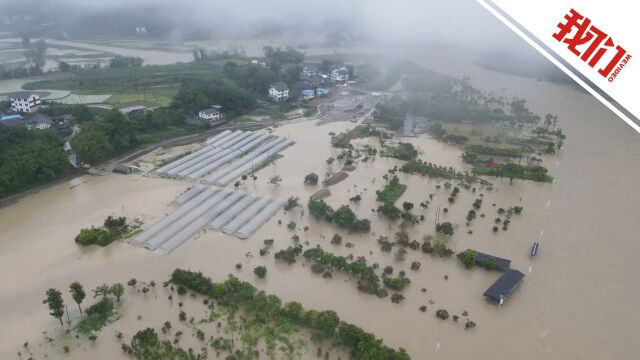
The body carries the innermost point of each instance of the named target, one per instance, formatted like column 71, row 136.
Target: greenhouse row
column 236, row 213
column 230, row 154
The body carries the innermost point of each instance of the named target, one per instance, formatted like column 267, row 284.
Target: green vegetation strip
column 237, row 294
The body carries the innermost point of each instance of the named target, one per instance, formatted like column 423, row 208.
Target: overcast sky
column 459, row 22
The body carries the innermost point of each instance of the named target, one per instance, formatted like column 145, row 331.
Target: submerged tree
column 77, row 293
column 275, row 180
column 260, row 271
column 117, row 290
column 55, row 303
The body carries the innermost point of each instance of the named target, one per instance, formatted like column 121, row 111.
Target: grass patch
column 97, row 316
column 391, row 192
column 154, row 97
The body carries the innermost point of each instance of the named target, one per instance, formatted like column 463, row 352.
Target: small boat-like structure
column 534, row 249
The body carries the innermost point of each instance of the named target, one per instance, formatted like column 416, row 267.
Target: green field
column 153, row 97
column 479, row 133
column 126, row 80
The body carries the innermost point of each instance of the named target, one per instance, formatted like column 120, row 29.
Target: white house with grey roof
column 213, row 115
column 279, row 91
column 24, row 102
column 339, row 75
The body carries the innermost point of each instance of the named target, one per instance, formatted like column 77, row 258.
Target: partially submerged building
column 504, row 286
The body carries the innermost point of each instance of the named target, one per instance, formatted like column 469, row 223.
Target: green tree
column 260, row 271
column 117, row 290
column 77, row 293
column 445, row 228
column 102, row 290
column 82, row 114
column 92, row 146
column 344, row 217
column 275, row 180
column 55, row 303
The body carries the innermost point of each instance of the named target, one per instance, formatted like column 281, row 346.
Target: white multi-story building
column 24, row 102
column 213, row 115
column 279, row 91
column 339, row 75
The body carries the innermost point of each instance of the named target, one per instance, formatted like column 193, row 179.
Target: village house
column 339, row 75
column 11, row 120
column 279, row 91
column 308, row 71
column 322, row 91
column 307, row 94
column 39, row 122
column 212, row 116
column 24, row 102
column 316, row 80
column 259, row 63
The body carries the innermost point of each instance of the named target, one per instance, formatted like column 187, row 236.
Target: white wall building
column 24, row 102
column 339, row 75
column 213, row 115
column 279, row 91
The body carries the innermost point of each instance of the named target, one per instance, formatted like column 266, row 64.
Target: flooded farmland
column 577, row 301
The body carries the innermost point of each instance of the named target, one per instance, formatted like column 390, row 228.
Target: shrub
column 442, row 314
column 336, row 239
column 94, row 235
column 468, row 258
column 489, row 264
column 260, row 271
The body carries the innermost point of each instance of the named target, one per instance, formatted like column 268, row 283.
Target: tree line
column 269, row 308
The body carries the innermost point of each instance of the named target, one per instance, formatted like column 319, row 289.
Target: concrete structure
column 339, row 75
column 279, row 91
column 212, row 116
column 307, row 94
column 322, row 91
column 39, row 122
column 24, row 102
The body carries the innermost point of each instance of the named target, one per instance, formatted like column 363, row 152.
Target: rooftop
column 501, row 264
column 130, row 109
column 14, row 117
column 505, row 284
column 280, row 86
column 212, row 110
column 39, row 119
column 20, row 94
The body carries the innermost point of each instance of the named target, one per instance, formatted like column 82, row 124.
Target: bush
column 468, row 258
column 311, row 179
column 442, row 314
column 397, row 284
column 260, row 271
column 336, row 239
column 94, row 235
column 489, row 264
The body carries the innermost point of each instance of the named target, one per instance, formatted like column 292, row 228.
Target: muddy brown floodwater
column 577, row 301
